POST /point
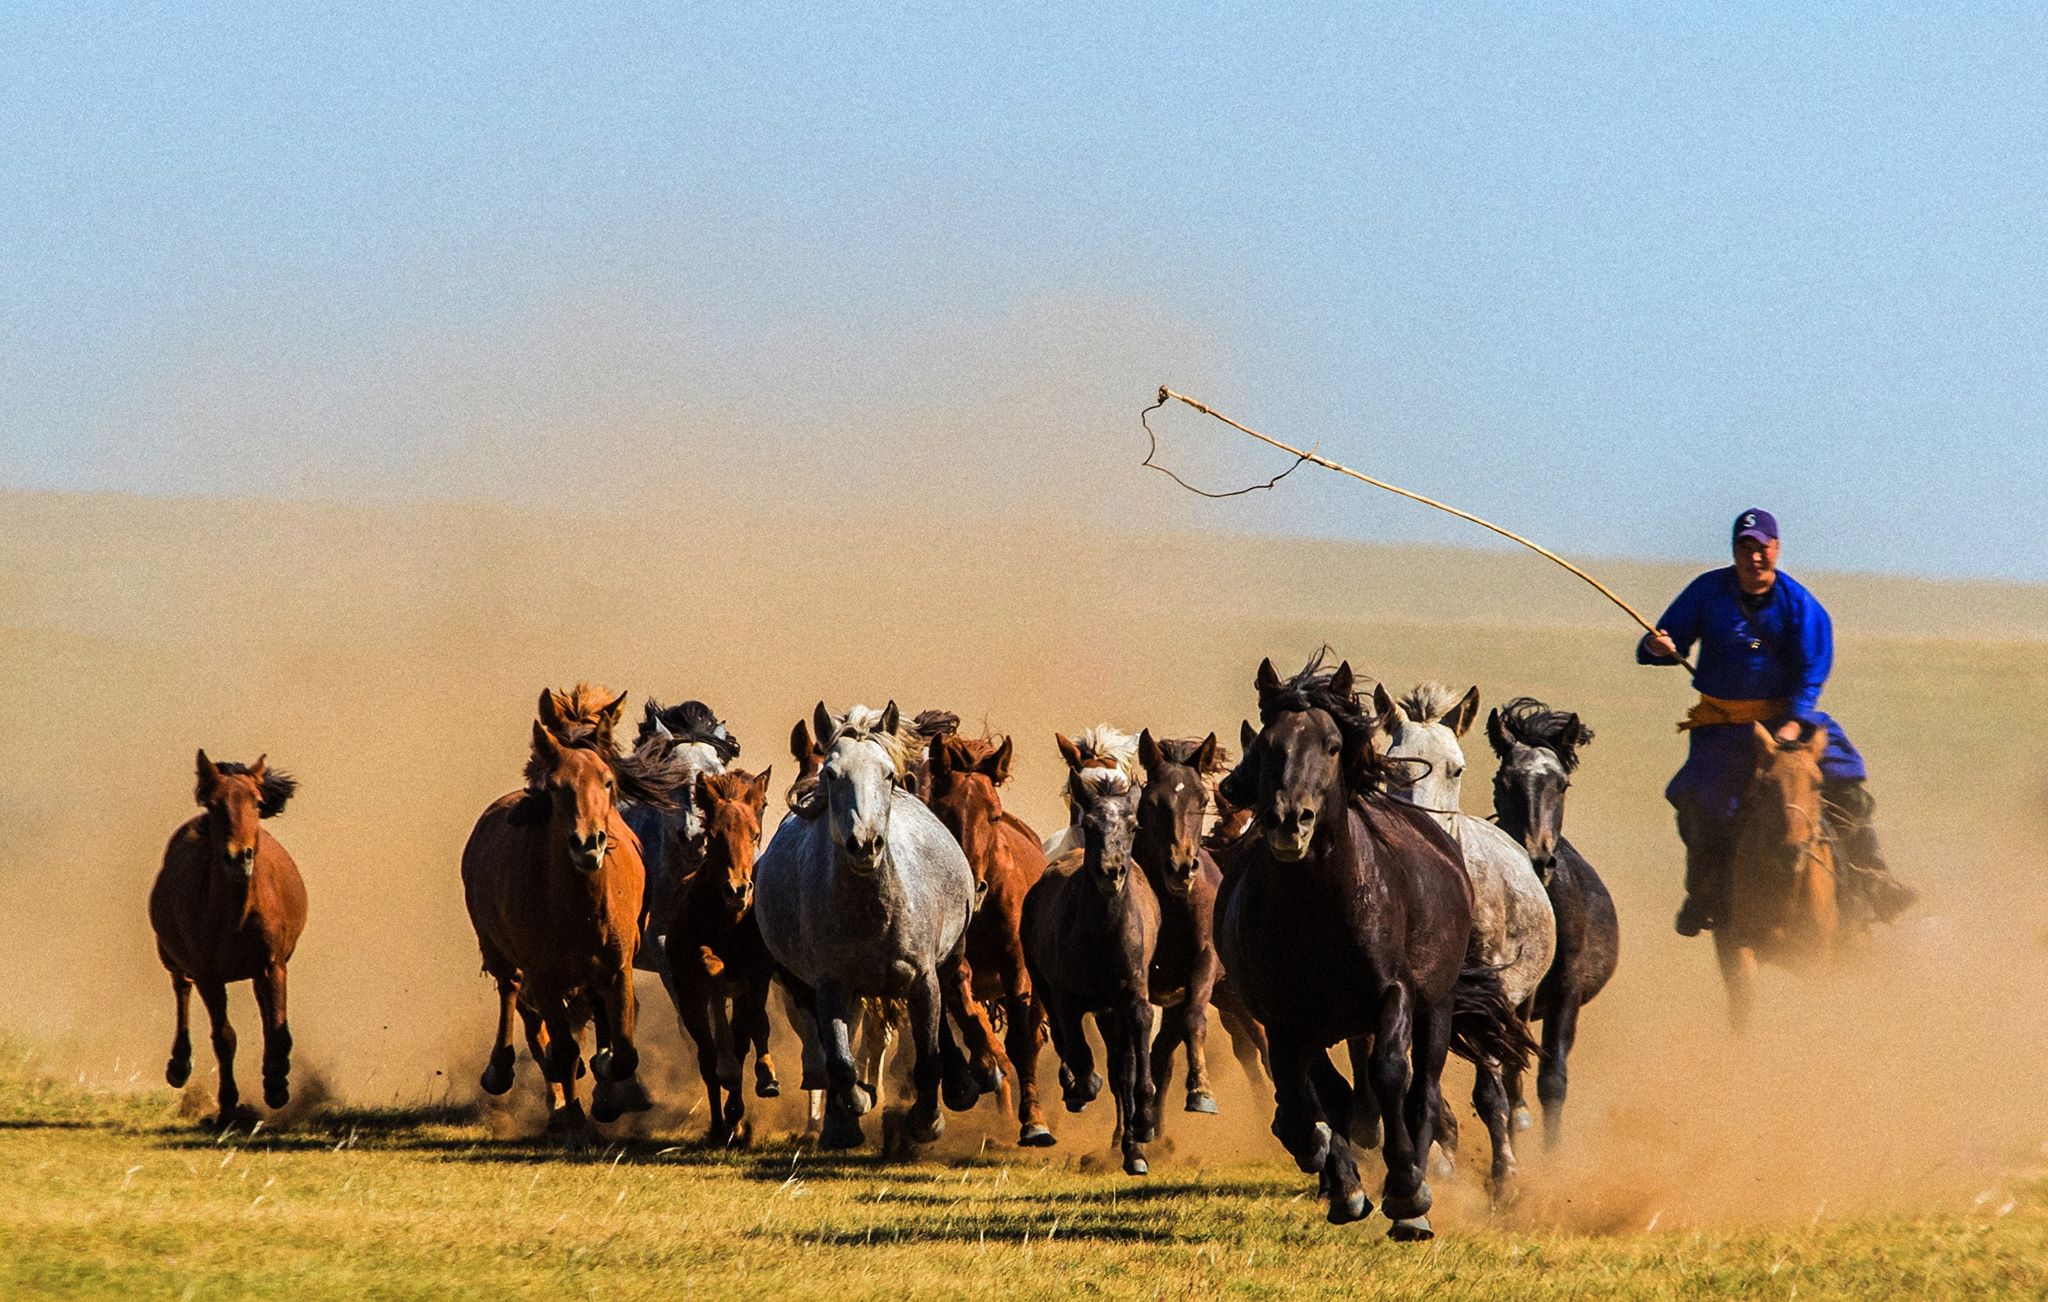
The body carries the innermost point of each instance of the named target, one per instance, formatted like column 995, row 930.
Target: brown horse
column 553, row 880
column 228, row 905
column 1345, row 916
column 962, row 776
column 716, row 958
column 1782, row 893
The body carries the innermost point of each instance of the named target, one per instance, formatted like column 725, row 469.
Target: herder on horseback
column 1766, row 646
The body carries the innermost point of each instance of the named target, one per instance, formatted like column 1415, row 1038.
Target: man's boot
column 1708, row 844
column 1862, row 869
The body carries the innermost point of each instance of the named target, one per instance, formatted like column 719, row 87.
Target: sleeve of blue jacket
column 1812, row 656
column 1682, row 622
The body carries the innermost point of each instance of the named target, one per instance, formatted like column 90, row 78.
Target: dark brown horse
column 228, row 905
column 1091, row 927
column 553, row 881
column 962, row 777
column 1782, row 898
column 1168, row 849
column 1345, row 915
column 1539, row 750
column 718, row 966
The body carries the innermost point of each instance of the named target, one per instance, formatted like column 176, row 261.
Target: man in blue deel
column 1766, row 645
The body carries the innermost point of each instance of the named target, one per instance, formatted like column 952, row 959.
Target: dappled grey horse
column 1513, row 927
column 863, row 893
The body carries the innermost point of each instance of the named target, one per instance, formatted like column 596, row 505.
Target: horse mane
column 1101, row 782
column 649, row 776
column 1533, row 723
column 930, row 724
column 904, row 746
column 1314, row 688
column 273, row 789
column 1105, row 748
column 1428, row 702
column 692, row 721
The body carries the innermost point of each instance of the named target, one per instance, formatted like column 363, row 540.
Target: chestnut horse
column 1005, row 854
column 716, row 958
column 1346, row 915
column 228, row 905
column 1782, row 871
column 552, row 878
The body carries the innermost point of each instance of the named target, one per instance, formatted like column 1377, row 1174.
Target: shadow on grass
column 49, row 1123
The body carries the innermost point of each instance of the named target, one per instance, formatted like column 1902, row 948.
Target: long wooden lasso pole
column 1309, row 455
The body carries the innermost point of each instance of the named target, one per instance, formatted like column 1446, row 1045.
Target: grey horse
column 864, row 894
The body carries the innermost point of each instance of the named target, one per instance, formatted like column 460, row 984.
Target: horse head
column 1424, row 734
column 1779, row 823
column 866, row 762
column 237, row 798
column 730, row 805
column 581, row 792
column 962, row 774
column 1538, row 748
column 1313, row 752
column 1171, row 810
column 1105, row 803
column 584, row 706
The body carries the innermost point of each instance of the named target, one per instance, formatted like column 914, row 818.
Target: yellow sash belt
column 1713, row 710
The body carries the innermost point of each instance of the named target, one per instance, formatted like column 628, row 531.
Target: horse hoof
column 840, row 1133
column 1079, row 1094
column 925, row 1129
column 1413, row 1207
column 240, row 1116
column 1312, row 1163
column 1202, row 1101
column 497, row 1077
column 601, row 1063
column 863, row 1099
column 768, row 1089
column 961, row 1093
column 1523, row 1121
column 990, row 1080
column 276, row 1096
column 614, row 1097
column 1135, row 1165
column 566, row 1120
column 1346, row 1208
column 1411, row 1229
column 1035, row 1136
column 602, row 1109
column 177, row 1071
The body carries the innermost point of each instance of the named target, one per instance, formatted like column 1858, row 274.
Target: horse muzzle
column 241, row 862
column 1110, row 881
column 1290, row 844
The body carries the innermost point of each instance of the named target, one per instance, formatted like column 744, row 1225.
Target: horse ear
column 757, row 791
column 609, row 716
column 550, row 709
column 1247, row 736
column 1077, row 790
column 996, row 767
column 209, row 779
column 544, row 744
column 1761, row 736
column 1205, row 754
column 821, row 725
column 1340, row 682
column 800, row 742
column 1817, row 743
column 1383, row 705
column 260, row 767
column 650, row 711
column 1497, row 734
column 1459, row 717
column 1068, row 750
column 938, row 759
column 1148, row 750
column 699, row 796
column 891, row 716
column 1267, row 678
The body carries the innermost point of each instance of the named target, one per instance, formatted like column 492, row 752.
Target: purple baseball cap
column 1756, row 523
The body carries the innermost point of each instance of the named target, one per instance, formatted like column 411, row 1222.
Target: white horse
column 1513, row 926
column 864, row 894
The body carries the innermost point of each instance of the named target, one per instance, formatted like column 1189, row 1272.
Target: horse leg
column 1297, row 1120
column 277, row 1036
column 1406, row 1194
column 694, row 1014
column 563, row 1063
column 497, row 1077
column 1079, row 1081
column 1247, row 1037
column 1738, row 973
column 1424, row 1036
column 1511, row 1075
column 179, row 1069
column 750, row 1024
column 214, row 995
column 1131, row 1067
column 979, row 1036
column 1560, row 1029
column 1365, row 1104
column 842, row 1111
column 1021, row 1018
column 877, row 1038
column 927, row 1030
column 1172, row 1033
column 1339, row 1179
column 1194, row 1018
column 616, row 1088
column 1490, row 1099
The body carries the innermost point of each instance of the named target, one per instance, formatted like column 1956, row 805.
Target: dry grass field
column 1880, row 1134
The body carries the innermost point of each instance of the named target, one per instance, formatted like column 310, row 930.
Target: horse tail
column 1484, row 1025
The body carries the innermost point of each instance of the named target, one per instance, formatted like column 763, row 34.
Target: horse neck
column 565, row 883
column 225, row 895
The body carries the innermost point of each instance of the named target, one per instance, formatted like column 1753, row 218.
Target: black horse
column 1343, row 916
column 1539, row 750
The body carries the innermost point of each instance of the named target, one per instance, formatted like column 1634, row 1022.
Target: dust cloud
column 989, row 561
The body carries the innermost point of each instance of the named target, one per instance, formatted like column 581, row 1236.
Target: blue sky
column 1608, row 273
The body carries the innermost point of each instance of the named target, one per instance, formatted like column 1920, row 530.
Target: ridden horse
column 1346, row 915
column 1091, row 928
column 863, row 892
column 1184, row 878
column 228, row 905
column 1514, row 930
column 718, row 967
column 962, row 777
column 551, row 875
column 1539, row 750
column 1782, row 871
column 693, row 740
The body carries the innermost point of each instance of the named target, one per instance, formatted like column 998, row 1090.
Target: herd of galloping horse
column 1324, row 889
